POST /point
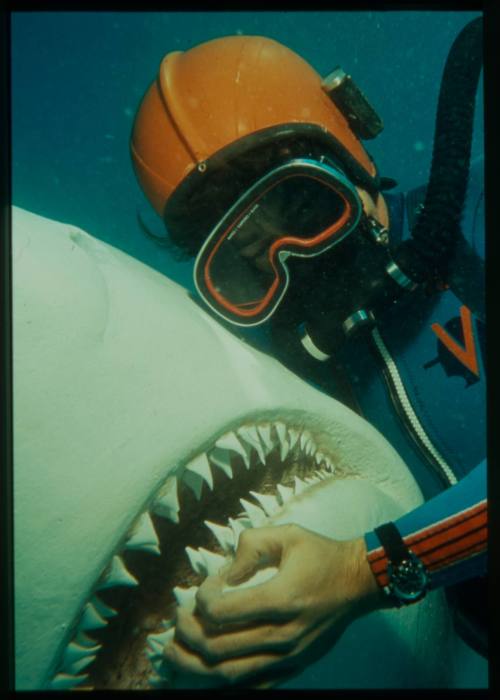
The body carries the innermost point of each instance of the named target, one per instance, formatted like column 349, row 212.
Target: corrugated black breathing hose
column 426, row 257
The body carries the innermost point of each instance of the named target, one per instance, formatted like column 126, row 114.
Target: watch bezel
column 408, row 579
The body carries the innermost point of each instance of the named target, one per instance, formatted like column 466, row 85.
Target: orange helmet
column 225, row 97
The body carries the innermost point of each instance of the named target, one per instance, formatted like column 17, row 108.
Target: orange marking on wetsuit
column 467, row 356
column 452, row 540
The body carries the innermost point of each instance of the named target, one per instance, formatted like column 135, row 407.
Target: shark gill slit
column 247, row 474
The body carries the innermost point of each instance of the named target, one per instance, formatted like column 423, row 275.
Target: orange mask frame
column 220, row 283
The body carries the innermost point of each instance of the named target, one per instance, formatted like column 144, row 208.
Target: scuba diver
column 257, row 167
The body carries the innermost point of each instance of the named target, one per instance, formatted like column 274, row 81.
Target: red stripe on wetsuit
column 442, row 544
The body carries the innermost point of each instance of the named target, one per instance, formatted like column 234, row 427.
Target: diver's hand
column 273, row 629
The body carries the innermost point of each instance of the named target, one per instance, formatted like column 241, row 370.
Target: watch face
column 408, row 579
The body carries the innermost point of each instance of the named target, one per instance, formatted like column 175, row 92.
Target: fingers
column 266, row 601
column 230, row 671
column 225, row 643
column 256, row 548
column 262, row 669
column 260, row 632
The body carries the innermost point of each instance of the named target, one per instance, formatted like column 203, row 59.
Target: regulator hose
column 427, row 255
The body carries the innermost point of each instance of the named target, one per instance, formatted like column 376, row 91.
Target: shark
column 147, row 437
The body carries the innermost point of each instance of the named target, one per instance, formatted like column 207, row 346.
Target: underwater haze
column 78, row 78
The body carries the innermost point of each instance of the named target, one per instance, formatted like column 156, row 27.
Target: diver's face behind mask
column 301, row 208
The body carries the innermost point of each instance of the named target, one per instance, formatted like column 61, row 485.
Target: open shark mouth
column 146, row 438
column 188, row 529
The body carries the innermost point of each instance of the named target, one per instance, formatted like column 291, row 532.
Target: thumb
column 256, row 548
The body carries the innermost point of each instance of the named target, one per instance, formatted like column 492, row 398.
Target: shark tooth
column 280, row 429
column 74, row 654
column 307, row 443
column 194, row 482
column 166, row 503
column 155, row 681
column 299, row 487
column 223, row 535
column 117, row 575
column 196, row 560
column 90, row 619
column 153, row 653
column 157, row 640
column 82, row 640
column 157, row 661
column 143, row 536
column 293, row 437
column 256, row 514
column 304, row 439
column 285, row 492
column 79, row 665
column 158, row 681
column 222, row 459
column 265, row 433
column 249, row 434
column 321, row 474
column 64, row 681
column 281, row 433
column 201, row 466
column 103, row 609
column 230, row 441
column 310, row 447
column 284, row 450
column 154, row 650
column 237, row 526
column 162, row 669
column 213, row 561
column 186, row 597
column 268, row 503
column 312, row 480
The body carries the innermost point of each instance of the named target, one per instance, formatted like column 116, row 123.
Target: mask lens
column 236, row 277
column 242, row 268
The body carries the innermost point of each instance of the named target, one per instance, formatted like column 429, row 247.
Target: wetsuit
column 438, row 350
column 420, row 379
column 448, row 533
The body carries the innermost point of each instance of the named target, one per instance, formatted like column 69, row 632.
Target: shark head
column 146, row 437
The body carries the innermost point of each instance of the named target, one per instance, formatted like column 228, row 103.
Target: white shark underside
column 122, row 388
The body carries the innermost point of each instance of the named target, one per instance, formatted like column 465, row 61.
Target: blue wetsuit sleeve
column 448, row 533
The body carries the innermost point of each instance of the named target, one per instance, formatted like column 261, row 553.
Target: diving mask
column 300, row 208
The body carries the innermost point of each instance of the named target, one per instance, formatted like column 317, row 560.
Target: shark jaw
column 137, row 419
column 190, row 528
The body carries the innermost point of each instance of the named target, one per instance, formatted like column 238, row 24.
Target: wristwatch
column 408, row 577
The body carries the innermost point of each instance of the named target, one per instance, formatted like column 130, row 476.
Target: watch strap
column 391, row 540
